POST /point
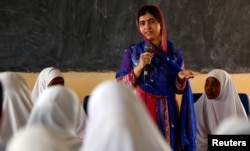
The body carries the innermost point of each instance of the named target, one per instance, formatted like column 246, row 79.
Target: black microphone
column 147, row 48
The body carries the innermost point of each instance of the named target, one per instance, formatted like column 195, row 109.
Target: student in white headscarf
column 47, row 77
column 36, row 138
column 118, row 121
column 52, row 76
column 16, row 105
column 220, row 100
column 57, row 108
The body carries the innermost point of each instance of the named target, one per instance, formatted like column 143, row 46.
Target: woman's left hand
column 187, row 74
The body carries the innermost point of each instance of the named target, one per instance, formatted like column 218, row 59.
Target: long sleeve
column 126, row 74
column 128, row 79
column 180, row 84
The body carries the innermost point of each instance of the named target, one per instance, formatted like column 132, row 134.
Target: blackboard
column 91, row 35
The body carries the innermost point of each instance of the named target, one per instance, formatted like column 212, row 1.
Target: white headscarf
column 43, row 80
column 36, row 138
column 118, row 121
column 81, row 122
column 210, row 112
column 58, row 107
column 17, row 104
column 233, row 126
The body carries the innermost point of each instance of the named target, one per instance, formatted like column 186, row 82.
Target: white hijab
column 58, row 107
column 210, row 112
column 17, row 104
column 118, row 121
column 233, row 126
column 43, row 80
column 36, row 138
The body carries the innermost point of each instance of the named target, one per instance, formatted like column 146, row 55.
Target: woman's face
column 212, row 88
column 150, row 27
column 57, row 81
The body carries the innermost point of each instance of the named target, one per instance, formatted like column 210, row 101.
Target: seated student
column 219, row 101
column 47, row 77
column 51, row 76
column 118, row 121
column 36, row 138
column 16, row 105
column 58, row 108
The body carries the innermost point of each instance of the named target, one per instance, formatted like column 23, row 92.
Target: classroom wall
column 84, row 82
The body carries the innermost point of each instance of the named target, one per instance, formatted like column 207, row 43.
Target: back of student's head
column 16, row 104
column 37, row 138
column 118, row 121
column 58, row 107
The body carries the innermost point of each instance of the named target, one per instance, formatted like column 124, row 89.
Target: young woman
column 155, row 68
column 220, row 101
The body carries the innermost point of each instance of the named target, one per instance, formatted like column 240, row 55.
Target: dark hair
column 153, row 10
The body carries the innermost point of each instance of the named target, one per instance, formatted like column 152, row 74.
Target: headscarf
column 36, row 138
column 162, row 24
column 17, row 104
column 233, row 126
column 58, row 107
column 81, row 121
column 118, row 121
column 210, row 112
column 43, row 80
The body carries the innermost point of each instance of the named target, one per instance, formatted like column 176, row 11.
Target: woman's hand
column 145, row 58
column 187, row 74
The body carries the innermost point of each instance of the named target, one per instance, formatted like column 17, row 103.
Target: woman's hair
column 153, row 10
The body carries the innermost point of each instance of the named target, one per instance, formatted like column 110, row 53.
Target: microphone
column 147, row 48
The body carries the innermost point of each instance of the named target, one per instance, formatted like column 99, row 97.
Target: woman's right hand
column 145, row 58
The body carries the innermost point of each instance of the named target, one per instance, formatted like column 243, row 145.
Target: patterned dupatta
column 187, row 113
